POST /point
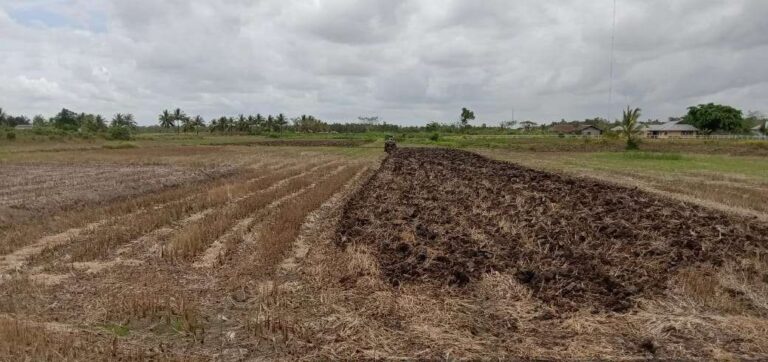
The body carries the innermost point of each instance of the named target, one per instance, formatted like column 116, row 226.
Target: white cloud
column 406, row 60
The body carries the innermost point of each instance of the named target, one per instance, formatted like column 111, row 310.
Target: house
column 576, row 129
column 590, row 131
column 673, row 129
column 23, row 127
column 760, row 129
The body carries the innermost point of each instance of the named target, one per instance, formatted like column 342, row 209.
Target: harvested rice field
column 320, row 251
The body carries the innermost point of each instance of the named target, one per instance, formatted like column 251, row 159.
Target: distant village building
column 23, row 126
column 672, row 129
column 576, row 129
column 760, row 128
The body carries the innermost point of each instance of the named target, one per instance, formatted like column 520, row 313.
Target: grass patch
column 655, row 156
column 117, row 329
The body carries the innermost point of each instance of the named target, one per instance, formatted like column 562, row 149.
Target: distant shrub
column 119, row 133
column 11, row 135
column 435, row 137
column 119, row 146
column 761, row 145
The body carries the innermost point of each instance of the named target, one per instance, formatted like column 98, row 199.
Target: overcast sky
column 408, row 61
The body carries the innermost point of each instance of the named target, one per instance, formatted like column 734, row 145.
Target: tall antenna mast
column 613, row 47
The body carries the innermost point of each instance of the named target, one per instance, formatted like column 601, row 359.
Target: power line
column 613, row 48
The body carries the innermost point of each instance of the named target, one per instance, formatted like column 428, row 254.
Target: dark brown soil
column 445, row 217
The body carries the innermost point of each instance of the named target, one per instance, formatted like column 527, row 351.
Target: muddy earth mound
column 446, row 217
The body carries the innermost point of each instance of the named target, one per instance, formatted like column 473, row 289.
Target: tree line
column 708, row 118
column 121, row 126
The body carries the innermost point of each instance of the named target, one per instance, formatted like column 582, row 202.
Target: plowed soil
column 445, row 217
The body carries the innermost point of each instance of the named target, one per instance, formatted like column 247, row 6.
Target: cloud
column 408, row 61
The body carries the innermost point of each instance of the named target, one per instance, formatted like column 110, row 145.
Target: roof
column 757, row 128
column 23, row 126
column 571, row 128
column 674, row 126
column 589, row 126
column 564, row 128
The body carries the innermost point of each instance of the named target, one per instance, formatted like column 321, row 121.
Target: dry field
column 162, row 253
column 277, row 252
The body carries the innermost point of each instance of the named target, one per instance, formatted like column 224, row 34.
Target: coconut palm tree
column 280, row 122
column 166, row 119
column 630, row 127
column 259, row 121
column 197, row 123
column 225, row 124
column 101, row 123
column 124, row 120
column 179, row 116
column 242, row 123
column 214, row 125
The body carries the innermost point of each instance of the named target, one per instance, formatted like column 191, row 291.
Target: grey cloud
column 405, row 60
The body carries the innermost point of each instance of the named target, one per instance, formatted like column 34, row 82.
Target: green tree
column 225, row 124
column 214, row 125
column 197, row 123
column 166, row 119
column 630, row 127
column 466, row 116
column 125, row 120
column 3, row 117
column 270, row 123
column 40, row 121
column 241, row 124
column 309, row 124
column 432, row 127
column 179, row 117
column 715, row 117
column 259, row 121
column 507, row 124
column 66, row 120
column 92, row 123
column 280, row 122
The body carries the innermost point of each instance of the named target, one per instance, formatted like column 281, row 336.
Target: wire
column 613, row 48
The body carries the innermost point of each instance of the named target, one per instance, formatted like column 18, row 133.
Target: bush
column 435, row 137
column 120, row 133
column 633, row 144
column 11, row 135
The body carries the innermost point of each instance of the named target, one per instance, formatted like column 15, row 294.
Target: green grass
column 673, row 162
column 117, row 329
column 658, row 156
